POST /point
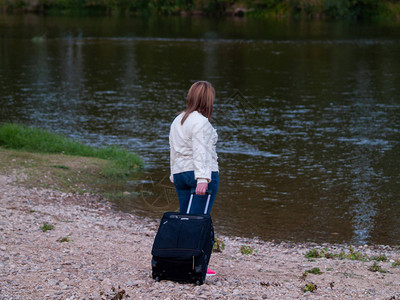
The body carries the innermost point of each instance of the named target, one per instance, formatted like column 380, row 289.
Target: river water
column 307, row 112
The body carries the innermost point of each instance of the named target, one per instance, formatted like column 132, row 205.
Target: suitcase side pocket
column 167, row 237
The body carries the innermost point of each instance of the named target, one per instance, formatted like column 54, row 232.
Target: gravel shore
column 94, row 252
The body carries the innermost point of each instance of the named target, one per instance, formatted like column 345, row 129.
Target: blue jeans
column 184, row 182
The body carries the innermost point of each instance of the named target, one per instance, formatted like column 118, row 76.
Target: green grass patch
column 376, row 268
column 352, row 254
column 64, row 239
column 218, row 246
column 46, row 227
column 246, row 250
column 61, row 167
column 314, row 253
column 322, row 253
column 315, row 271
column 381, row 257
column 121, row 163
column 310, row 287
column 396, row 263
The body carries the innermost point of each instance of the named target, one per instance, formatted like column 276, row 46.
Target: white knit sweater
column 192, row 147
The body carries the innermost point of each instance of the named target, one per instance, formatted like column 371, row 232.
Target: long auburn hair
column 201, row 98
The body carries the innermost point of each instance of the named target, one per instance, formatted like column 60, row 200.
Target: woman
column 193, row 156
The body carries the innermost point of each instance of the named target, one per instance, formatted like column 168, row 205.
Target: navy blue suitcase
column 183, row 245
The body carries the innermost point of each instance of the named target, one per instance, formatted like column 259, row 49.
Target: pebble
column 63, row 286
column 52, row 281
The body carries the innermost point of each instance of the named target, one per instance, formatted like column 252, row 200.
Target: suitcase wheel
column 153, row 263
column 156, row 277
column 198, row 282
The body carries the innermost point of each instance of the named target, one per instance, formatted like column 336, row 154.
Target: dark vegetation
column 310, row 9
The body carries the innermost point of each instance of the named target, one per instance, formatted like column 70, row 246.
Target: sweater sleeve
column 202, row 149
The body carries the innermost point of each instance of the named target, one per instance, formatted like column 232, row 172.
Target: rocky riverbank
column 93, row 252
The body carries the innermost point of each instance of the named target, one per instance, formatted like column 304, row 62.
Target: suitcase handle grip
column 192, row 192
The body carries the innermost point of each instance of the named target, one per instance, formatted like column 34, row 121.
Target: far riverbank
column 275, row 9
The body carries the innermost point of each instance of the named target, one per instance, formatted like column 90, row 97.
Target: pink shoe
column 210, row 272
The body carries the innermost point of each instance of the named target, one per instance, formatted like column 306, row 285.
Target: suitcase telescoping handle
column 192, row 192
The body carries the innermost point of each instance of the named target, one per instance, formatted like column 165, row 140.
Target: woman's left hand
column 201, row 188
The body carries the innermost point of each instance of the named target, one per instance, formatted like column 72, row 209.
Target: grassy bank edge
column 65, row 173
column 54, row 171
column 120, row 163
